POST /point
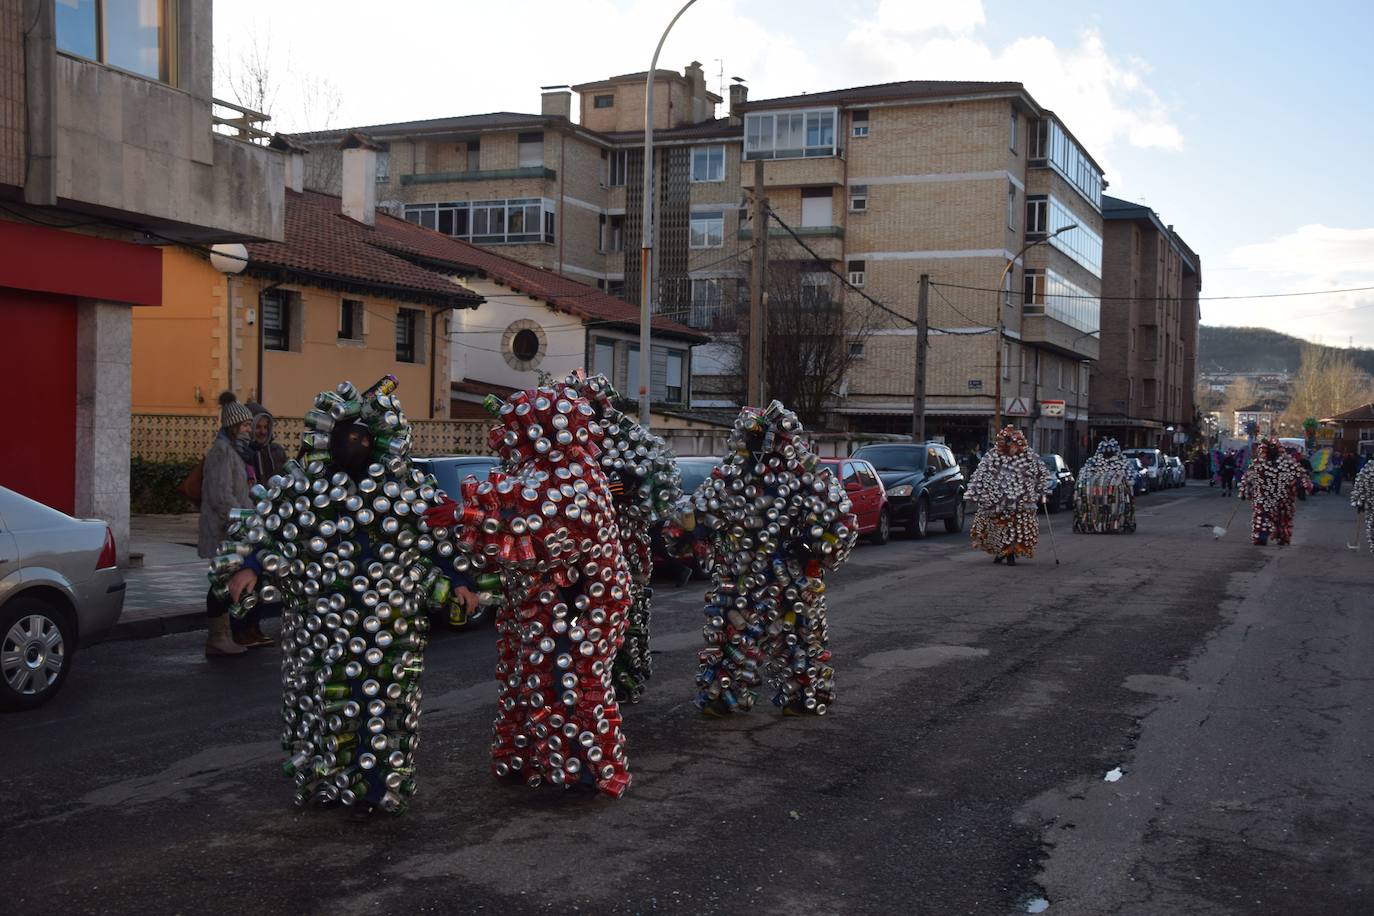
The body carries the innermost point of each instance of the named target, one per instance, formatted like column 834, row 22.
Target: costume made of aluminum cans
column 548, row 519
column 1362, row 498
column 1006, row 490
column 1271, row 484
column 343, row 545
column 1104, row 494
column 645, row 486
column 778, row 520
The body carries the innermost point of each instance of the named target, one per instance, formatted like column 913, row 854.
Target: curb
column 182, row 619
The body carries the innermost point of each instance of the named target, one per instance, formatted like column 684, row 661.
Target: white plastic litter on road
column 1113, row 774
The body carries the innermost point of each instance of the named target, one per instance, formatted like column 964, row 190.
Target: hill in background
column 1261, row 350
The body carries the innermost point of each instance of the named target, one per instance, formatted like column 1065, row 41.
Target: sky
column 1247, row 126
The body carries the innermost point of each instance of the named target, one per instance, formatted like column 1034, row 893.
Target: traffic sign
column 1017, row 407
column 1052, row 408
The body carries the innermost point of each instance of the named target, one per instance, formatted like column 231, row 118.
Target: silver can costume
column 1104, row 493
column 777, row 520
column 1362, row 498
column 1271, row 484
column 1006, row 490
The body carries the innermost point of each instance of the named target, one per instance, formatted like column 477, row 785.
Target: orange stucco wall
column 182, row 346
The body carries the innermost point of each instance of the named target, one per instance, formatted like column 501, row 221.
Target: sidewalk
column 166, row 594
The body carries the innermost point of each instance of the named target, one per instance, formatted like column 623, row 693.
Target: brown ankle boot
column 218, row 642
column 251, row 637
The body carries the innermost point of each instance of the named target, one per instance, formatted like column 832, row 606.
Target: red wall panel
column 38, row 355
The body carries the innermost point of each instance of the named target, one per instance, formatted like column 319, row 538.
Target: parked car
column 1174, row 466
column 868, row 495
column 450, row 470
column 59, row 583
column 692, row 551
column 1152, row 460
column 1062, row 482
column 1142, row 483
column 923, row 482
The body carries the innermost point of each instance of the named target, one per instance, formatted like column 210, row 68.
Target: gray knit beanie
column 231, row 412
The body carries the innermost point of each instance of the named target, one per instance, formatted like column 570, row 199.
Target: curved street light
column 997, row 382
column 646, row 227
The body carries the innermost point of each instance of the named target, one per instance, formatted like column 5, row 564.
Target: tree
column 809, row 337
column 1328, row 382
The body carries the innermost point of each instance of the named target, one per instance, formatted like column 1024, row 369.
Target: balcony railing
column 533, row 171
column 240, row 123
column 805, row 232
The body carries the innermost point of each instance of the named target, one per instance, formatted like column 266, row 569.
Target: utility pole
column 918, row 400
column 753, row 390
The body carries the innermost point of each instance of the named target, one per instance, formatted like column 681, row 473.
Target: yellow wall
column 181, row 346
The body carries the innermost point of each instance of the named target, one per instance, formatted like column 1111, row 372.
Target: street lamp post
column 997, row 381
column 646, row 227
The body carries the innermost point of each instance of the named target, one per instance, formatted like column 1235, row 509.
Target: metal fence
column 186, row 437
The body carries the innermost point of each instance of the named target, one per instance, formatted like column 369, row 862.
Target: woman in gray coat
column 224, row 486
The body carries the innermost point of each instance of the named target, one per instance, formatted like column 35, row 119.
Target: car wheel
column 955, row 523
column 883, row 532
column 920, row 522
column 35, row 653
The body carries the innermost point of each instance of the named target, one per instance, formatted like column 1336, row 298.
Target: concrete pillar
column 104, row 346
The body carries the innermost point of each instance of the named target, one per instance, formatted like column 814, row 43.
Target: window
column 673, row 378
column 383, row 173
column 1034, row 282
column 790, row 134
column 1079, row 243
column 619, row 165
column 1025, row 366
column 1011, row 206
column 603, row 101
column 133, row 35
column 1059, row 367
column 615, row 288
column 708, row 230
column 866, row 475
column 855, row 269
column 351, row 319
column 815, row 289
column 488, row 222
column 1039, row 376
column 1053, row 145
column 816, row 207
column 856, row 350
column 708, row 163
column 1037, row 215
column 616, row 233
column 1006, row 289
column 1083, row 379
column 858, row 123
column 858, row 198
column 276, row 320
column 531, row 149
column 474, row 155
column 1006, row 361
column 706, row 303
column 603, row 357
column 1051, row 294
column 1011, row 135
column 525, row 344
column 1132, row 340
column 407, row 327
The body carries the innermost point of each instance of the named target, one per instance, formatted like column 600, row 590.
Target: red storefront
column 49, row 364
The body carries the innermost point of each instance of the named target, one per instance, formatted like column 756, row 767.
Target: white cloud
column 910, row 17
column 1312, row 257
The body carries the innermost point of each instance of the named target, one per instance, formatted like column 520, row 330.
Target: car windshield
column 1145, row 458
column 694, row 471
column 1050, row 462
column 450, row 472
column 894, row 457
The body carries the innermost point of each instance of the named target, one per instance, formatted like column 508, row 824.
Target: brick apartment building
column 883, row 183
column 1146, row 378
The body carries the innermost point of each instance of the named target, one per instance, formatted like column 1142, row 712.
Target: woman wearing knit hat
column 224, row 486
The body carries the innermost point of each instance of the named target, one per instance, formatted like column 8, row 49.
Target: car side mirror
column 930, row 472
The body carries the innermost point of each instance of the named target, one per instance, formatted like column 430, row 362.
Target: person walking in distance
column 1228, row 472
column 1009, row 484
column 1272, row 483
column 224, row 486
column 1362, row 498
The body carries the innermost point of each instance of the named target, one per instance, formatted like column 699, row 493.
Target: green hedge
column 153, row 486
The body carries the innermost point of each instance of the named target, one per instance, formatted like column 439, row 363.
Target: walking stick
column 1218, row 530
column 1359, row 530
column 1053, row 546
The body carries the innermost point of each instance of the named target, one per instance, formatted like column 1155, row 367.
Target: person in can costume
column 339, row 538
column 1362, row 498
column 645, row 486
column 777, row 520
column 1271, row 484
column 547, row 517
column 1104, row 493
column 1009, row 484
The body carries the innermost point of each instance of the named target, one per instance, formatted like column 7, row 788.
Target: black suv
column 1061, row 490
column 923, row 482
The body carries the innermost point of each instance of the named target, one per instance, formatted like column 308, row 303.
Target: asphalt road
column 968, row 766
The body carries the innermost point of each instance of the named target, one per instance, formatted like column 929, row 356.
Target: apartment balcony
column 538, row 172
column 820, row 172
column 826, row 241
column 1044, row 330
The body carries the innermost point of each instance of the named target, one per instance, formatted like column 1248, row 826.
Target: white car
column 1152, row 461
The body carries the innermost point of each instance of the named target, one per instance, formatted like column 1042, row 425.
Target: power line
column 1314, row 292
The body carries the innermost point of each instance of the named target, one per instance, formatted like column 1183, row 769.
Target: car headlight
column 900, row 490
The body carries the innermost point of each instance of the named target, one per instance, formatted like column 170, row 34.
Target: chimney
column 739, row 93
column 556, row 102
column 359, row 177
column 295, row 160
